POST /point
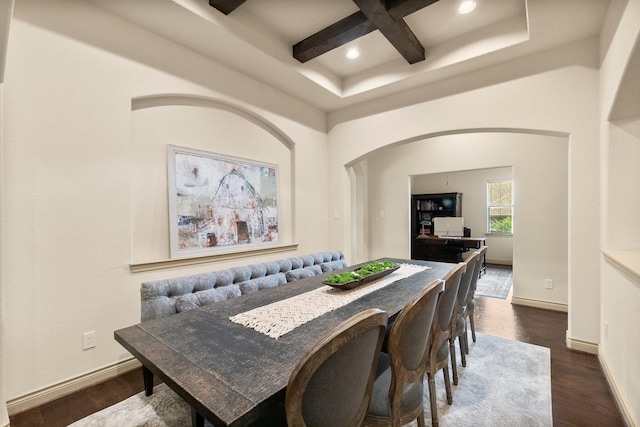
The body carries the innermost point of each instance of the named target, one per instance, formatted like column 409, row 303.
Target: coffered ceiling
column 257, row 38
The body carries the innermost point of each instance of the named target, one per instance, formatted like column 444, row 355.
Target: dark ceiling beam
column 350, row 28
column 335, row 35
column 226, row 6
column 396, row 31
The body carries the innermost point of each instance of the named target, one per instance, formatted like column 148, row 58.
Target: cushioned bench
column 166, row 297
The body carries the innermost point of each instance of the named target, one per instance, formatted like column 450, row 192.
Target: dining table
column 232, row 374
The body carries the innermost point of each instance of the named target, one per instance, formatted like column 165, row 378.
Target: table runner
column 278, row 318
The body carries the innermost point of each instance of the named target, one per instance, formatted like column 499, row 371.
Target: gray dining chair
column 439, row 338
column 457, row 319
column 469, row 313
column 331, row 385
column 398, row 388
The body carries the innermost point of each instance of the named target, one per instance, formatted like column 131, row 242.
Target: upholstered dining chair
column 439, row 338
column 331, row 385
column 471, row 303
column 398, row 389
column 457, row 319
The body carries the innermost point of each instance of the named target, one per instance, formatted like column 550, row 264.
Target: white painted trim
column 628, row 262
column 540, row 304
column 48, row 394
column 499, row 261
column 583, row 346
column 203, row 259
column 617, row 395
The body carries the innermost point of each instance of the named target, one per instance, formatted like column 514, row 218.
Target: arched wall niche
column 200, row 101
column 206, row 124
column 540, row 170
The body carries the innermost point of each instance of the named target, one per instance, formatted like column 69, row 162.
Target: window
column 500, row 207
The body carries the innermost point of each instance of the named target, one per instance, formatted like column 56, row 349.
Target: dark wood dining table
column 233, row 375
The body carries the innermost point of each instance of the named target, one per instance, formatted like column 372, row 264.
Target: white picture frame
column 220, row 203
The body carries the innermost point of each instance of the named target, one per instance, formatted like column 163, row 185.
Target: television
column 448, row 226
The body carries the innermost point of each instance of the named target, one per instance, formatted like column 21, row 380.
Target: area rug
column 505, row 383
column 496, row 283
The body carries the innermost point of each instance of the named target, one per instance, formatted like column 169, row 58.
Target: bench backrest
column 161, row 298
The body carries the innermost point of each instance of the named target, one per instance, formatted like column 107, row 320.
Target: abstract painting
column 220, row 203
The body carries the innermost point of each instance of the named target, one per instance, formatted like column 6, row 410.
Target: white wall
column 559, row 97
column 6, row 10
column 4, row 416
column 473, row 186
column 620, row 338
column 77, row 158
column 539, row 245
column 70, row 161
column 620, row 150
column 204, row 127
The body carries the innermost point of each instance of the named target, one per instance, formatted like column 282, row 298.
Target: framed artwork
column 219, row 203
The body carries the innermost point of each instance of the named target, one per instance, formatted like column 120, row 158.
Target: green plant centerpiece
column 366, row 273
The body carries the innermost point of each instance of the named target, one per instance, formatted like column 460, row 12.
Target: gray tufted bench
column 161, row 298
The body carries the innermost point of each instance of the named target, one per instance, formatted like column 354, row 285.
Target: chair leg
column 432, row 399
column 454, row 366
column 461, row 341
column 466, row 338
column 447, row 384
column 473, row 326
column 421, row 419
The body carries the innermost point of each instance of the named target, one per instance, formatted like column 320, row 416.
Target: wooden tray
column 355, row 283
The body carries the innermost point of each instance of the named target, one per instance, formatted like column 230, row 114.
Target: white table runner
column 278, row 318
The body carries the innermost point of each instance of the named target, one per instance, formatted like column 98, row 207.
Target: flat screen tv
column 448, row 226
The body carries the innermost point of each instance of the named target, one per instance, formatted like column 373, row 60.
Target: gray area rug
column 496, row 283
column 505, row 383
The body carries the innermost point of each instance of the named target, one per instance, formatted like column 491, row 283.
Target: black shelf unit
column 429, row 206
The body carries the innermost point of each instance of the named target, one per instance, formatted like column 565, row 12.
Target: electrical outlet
column 89, row 340
column 606, row 330
column 548, row 284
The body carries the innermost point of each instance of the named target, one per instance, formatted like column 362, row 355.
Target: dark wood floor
column 580, row 393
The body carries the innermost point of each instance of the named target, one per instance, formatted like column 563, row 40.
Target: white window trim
column 512, row 205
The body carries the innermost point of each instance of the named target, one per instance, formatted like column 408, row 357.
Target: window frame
column 490, row 206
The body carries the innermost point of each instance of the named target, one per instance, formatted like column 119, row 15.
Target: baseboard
column 617, row 395
column 499, row 261
column 47, row 394
column 583, row 346
column 540, row 304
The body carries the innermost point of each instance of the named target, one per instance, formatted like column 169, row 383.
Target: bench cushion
column 165, row 297
column 202, row 298
column 301, row 273
column 255, row 285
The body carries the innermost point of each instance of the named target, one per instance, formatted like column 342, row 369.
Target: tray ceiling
column 257, row 39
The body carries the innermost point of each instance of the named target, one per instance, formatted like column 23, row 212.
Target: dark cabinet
column 425, row 207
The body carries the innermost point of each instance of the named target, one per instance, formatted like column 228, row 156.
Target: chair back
column 408, row 344
column 474, row 278
column 448, row 298
column 331, row 385
column 465, row 283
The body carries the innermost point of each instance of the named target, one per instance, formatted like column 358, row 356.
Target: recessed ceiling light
column 466, row 7
column 353, row 53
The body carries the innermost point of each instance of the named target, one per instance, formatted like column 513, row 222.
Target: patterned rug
column 505, row 383
column 496, row 283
